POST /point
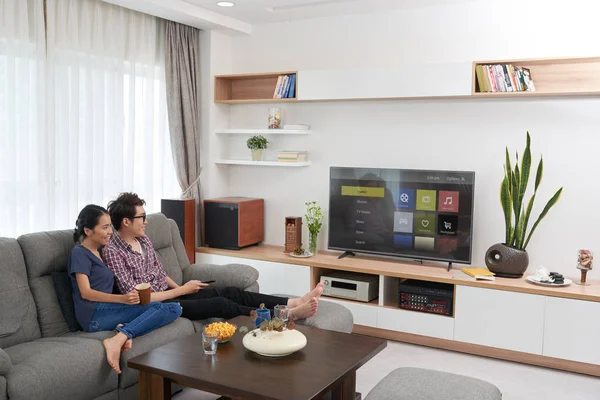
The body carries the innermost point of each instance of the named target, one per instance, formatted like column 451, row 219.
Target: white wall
column 215, row 58
column 442, row 134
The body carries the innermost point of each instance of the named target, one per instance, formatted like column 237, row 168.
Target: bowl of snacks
column 225, row 330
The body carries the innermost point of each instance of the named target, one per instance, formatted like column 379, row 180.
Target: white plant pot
column 257, row 154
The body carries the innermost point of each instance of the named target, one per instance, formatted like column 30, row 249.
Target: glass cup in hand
column 210, row 341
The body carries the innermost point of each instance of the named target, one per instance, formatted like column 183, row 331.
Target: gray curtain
column 182, row 60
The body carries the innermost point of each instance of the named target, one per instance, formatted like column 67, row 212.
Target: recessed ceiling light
column 225, row 4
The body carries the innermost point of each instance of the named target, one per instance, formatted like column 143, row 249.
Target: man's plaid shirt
column 132, row 268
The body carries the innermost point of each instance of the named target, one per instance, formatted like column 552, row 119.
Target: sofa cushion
column 180, row 328
column 5, row 363
column 3, row 394
column 163, row 232
column 426, row 384
column 18, row 315
column 47, row 252
column 64, row 292
column 59, row 368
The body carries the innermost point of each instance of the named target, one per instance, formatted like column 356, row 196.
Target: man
column 131, row 256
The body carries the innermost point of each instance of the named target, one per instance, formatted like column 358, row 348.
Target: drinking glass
column 210, row 341
column 281, row 312
column 262, row 315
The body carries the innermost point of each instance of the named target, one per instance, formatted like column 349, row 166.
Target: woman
column 96, row 307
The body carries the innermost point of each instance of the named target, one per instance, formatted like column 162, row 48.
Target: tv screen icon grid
column 405, row 199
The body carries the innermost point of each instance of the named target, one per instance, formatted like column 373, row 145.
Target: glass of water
column 210, row 341
column 281, row 312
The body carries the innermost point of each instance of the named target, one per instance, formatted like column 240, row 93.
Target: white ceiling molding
column 186, row 13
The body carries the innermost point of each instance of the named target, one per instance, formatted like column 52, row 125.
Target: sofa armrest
column 238, row 275
column 5, row 363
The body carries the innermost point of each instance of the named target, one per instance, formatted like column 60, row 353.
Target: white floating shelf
column 264, row 163
column 263, row 132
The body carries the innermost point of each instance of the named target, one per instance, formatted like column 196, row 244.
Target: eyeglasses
column 143, row 217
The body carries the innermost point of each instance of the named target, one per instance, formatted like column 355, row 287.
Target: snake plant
column 512, row 196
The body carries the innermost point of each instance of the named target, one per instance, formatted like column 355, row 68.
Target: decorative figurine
column 293, row 234
column 585, row 262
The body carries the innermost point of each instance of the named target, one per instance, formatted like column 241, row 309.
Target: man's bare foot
column 305, row 310
column 113, row 350
column 315, row 293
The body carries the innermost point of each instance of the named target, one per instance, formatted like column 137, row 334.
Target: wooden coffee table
column 328, row 362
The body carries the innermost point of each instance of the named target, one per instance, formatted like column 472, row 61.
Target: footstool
column 425, row 384
column 330, row 316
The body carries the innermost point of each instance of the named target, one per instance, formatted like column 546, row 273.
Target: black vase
column 506, row 262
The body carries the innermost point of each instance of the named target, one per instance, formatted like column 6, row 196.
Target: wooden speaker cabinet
column 234, row 222
column 293, row 233
column 183, row 212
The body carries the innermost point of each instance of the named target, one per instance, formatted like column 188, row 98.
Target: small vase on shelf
column 312, row 243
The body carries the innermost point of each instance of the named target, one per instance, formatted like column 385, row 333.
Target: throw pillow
column 64, row 292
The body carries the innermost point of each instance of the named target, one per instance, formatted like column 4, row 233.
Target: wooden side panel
column 251, row 222
column 189, row 233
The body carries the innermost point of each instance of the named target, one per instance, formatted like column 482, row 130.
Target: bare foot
column 128, row 344
column 315, row 293
column 305, row 310
column 113, row 350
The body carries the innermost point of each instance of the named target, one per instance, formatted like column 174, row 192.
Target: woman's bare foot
column 305, row 310
column 128, row 344
column 113, row 350
column 315, row 293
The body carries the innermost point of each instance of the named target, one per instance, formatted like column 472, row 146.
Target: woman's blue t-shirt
column 102, row 279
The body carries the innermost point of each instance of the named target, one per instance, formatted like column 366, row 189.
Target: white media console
column 508, row 318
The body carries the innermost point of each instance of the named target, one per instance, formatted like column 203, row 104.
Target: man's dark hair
column 123, row 207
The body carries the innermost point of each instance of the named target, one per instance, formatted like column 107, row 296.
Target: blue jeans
column 136, row 320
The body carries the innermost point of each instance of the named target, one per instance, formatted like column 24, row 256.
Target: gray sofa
column 40, row 358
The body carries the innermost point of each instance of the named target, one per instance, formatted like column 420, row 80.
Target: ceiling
column 266, row 11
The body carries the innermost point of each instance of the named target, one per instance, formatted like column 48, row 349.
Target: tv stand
column 449, row 266
column 345, row 254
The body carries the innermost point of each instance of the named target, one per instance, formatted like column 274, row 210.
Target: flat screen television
column 419, row 214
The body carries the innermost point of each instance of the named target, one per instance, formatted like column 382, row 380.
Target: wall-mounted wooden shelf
column 263, row 132
column 264, row 163
column 551, row 77
column 250, row 88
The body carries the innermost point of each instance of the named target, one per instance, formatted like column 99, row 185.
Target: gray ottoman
column 330, row 316
column 425, row 384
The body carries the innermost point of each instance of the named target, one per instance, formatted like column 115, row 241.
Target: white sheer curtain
column 105, row 127
column 23, row 140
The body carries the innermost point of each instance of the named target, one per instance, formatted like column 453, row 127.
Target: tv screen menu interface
column 411, row 213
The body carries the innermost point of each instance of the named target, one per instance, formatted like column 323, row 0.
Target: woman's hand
column 131, row 298
column 193, row 286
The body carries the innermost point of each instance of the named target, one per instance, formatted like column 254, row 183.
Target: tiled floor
column 516, row 381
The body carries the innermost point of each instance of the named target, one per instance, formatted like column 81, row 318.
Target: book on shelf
column 479, row 273
column 503, row 78
column 291, row 156
column 285, row 87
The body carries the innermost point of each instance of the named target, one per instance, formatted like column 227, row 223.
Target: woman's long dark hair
column 88, row 218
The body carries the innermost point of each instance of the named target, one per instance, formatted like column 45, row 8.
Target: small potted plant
column 510, row 259
column 314, row 221
column 257, row 144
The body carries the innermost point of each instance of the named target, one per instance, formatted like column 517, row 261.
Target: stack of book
column 286, row 87
column 291, row 156
column 504, row 78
